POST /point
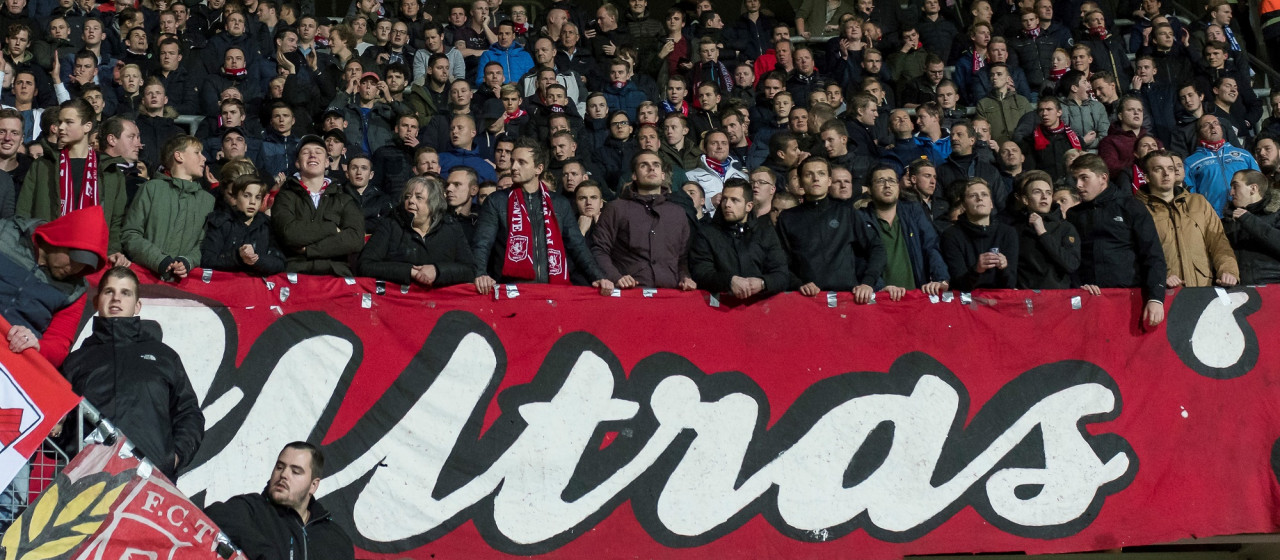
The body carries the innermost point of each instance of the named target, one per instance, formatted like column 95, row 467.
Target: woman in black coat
column 418, row 243
column 237, row 237
column 980, row 252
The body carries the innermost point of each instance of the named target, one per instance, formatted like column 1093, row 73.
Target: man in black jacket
column 1253, row 227
column 912, row 257
column 980, row 252
column 285, row 520
column 830, row 245
column 1119, row 246
column 1048, row 246
column 530, row 256
column 134, row 379
column 738, row 253
column 963, row 164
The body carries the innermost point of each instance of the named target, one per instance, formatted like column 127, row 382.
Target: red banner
column 658, row 425
column 33, row 398
column 105, row 505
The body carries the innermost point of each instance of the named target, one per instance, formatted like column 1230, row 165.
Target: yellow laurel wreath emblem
column 63, row 517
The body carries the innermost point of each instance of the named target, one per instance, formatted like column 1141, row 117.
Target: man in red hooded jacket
column 43, row 266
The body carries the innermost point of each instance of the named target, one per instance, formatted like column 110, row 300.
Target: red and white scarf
column 1034, row 32
column 519, row 257
column 1213, row 146
column 507, row 118
column 1139, row 178
column 720, row 167
column 235, row 72
column 979, row 61
column 89, row 195
column 1100, row 32
column 1042, row 141
column 1057, row 73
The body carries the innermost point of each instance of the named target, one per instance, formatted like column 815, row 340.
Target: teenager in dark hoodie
column 237, row 237
column 1048, row 245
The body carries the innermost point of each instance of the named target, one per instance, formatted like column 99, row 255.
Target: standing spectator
column 830, row 245
column 462, row 136
column 514, row 59
column 69, row 178
column 980, row 252
column 153, row 126
column 319, row 228
column 1107, row 49
column 912, row 258
column 419, row 243
column 1186, row 137
column 41, row 294
column 1003, row 107
column 642, row 238
column 1196, row 250
column 818, row 17
column 392, row 164
column 1050, row 140
column 1081, row 111
column 1253, row 227
column 715, row 167
column 1210, row 168
column 937, row 33
column 1119, row 246
column 737, row 253
column 1117, row 148
column 621, row 93
column 1048, row 245
column 373, row 202
column 1157, row 96
column 237, row 236
column 972, row 61
column 528, row 233
column 963, row 164
column 165, row 225
column 135, row 380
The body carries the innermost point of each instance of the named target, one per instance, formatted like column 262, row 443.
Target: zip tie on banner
column 649, row 292
column 714, row 300
column 380, row 287
column 831, row 300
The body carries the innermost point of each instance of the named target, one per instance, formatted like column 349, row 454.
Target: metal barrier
column 34, row 479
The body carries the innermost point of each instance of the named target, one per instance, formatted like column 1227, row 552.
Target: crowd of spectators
column 866, row 146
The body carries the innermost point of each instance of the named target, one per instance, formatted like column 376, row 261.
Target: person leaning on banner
column 319, row 228
column 419, row 242
column 135, row 380
column 1196, row 250
column 1253, row 227
column 737, row 252
column 1048, row 245
column 1119, row 246
column 642, row 238
column 912, row 257
column 980, row 252
column 42, row 277
column 830, row 245
column 512, row 243
column 285, row 521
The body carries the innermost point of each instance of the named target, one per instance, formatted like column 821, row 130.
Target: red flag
column 33, row 398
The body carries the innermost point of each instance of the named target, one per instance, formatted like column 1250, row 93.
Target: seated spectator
column 237, row 237
column 418, row 243
column 135, row 380
column 319, row 228
column 621, row 93
column 1209, row 169
column 1048, row 245
column 641, row 239
column 738, row 254
column 43, row 278
column 1119, row 246
column 69, row 177
column 830, row 246
column 715, row 167
column 528, row 233
column 980, row 252
column 165, row 225
column 912, row 258
column 1196, row 250
column 514, row 59
column 1253, row 227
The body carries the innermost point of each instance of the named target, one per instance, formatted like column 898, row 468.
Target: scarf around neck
column 518, row 261
column 1213, row 146
column 1042, row 139
column 89, row 195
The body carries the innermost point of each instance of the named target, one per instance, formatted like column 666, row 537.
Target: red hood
column 84, row 229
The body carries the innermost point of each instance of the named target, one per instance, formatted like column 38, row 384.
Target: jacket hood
column 84, row 229
column 110, row 330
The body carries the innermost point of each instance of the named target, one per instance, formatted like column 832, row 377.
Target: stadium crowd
column 865, row 146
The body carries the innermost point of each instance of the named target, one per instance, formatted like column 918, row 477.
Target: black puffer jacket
column 1049, row 261
column 831, row 244
column 266, row 531
column 1256, row 238
column 962, row 244
column 751, row 250
column 395, row 248
column 1119, row 247
column 139, row 383
column 225, row 232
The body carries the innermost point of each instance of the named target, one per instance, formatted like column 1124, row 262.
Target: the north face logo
column 148, row 357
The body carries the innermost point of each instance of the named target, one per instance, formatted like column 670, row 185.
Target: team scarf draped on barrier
column 33, row 398
column 107, row 504
column 551, row 420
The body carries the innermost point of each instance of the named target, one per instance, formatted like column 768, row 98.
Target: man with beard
column 656, row 260
column 528, row 233
column 284, row 520
column 1253, row 227
column 962, row 164
column 429, row 94
column 738, row 254
column 1266, row 151
column 912, row 258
